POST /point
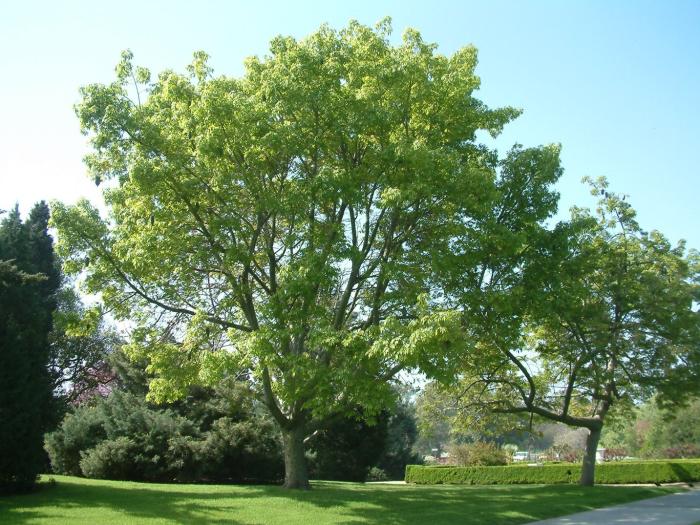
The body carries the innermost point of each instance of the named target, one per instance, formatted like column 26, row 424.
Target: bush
column 615, row 454
column 607, row 473
column 478, row 454
column 123, row 437
column 511, row 474
column 402, row 433
column 247, row 450
column 684, row 451
column 112, row 459
column 119, row 437
column 377, row 474
column 648, row 472
column 563, row 452
column 80, row 431
column 347, row 447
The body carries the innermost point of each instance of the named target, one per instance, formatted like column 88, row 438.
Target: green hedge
column 617, row 472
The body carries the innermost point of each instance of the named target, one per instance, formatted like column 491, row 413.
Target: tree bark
column 296, row 473
column 588, row 468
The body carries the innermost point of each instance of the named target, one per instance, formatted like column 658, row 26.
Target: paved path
column 682, row 508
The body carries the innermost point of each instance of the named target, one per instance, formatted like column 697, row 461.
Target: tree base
column 297, row 485
column 296, row 473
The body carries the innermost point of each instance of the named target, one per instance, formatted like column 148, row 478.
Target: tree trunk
column 296, row 473
column 588, row 468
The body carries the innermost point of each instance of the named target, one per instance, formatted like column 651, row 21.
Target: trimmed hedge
column 672, row 471
column 608, row 473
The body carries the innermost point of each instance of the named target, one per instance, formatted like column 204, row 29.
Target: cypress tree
column 29, row 279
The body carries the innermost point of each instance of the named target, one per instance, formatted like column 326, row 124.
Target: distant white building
column 521, row 455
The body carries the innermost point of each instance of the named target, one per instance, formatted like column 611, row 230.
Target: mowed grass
column 80, row 501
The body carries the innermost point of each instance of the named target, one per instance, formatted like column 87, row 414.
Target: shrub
column 648, row 472
column 123, row 437
column 112, row 459
column 608, row 473
column 377, row 474
column 684, row 451
column 478, row 454
column 397, row 452
column 572, row 456
column 247, row 450
column 511, row 474
column 347, row 447
column 510, row 449
column 614, row 454
column 428, row 460
column 80, row 431
column 564, row 452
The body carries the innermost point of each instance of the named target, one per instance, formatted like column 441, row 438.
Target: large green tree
column 29, row 279
column 292, row 223
column 617, row 320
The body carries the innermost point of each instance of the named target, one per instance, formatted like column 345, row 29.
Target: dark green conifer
column 29, row 279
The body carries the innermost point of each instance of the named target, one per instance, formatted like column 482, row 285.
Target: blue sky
column 616, row 83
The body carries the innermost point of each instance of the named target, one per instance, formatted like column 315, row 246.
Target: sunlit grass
column 81, row 501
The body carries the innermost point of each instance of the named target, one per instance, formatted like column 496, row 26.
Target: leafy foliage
column 615, row 454
column 445, row 417
column 402, row 434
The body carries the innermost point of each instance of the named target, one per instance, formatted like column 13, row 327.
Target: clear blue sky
column 616, row 83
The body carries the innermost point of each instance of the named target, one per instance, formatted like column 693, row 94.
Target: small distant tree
column 617, row 319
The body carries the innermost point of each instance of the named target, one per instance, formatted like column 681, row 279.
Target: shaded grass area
column 81, row 501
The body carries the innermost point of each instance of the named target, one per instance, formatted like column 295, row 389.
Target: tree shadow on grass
column 80, row 501
column 485, row 504
column 71, row 502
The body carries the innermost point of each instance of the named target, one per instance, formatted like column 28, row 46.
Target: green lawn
column 79, row 501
